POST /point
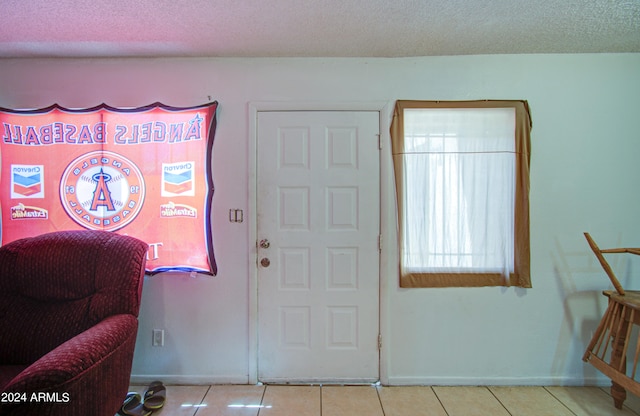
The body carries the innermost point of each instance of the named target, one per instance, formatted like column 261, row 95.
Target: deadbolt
column 265, row 243
column 265, row 262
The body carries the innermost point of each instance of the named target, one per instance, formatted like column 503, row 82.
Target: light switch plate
column 158, row 338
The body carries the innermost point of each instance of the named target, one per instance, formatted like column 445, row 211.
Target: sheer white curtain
column 459, row 175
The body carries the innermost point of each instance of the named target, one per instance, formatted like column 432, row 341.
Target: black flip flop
column 155, row 396
column 133, row 406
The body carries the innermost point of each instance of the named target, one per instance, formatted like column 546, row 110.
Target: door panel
column 318, row 207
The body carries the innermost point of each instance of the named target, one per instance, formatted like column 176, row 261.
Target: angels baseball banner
column 144, row 172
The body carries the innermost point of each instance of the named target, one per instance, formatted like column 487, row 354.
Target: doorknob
column 265, row 262
column 264, row 243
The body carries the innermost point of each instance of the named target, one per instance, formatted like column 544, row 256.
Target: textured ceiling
column 319, row 28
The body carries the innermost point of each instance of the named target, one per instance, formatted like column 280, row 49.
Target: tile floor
column 251, row 400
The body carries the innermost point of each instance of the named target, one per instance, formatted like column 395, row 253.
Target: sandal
column 155, row 396
column 132, row 406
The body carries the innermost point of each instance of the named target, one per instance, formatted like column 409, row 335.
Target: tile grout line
column 561, row 402
column 380, row 400
column 202, row 400
column 499, row 401
column 264, row 392
column 439, row 401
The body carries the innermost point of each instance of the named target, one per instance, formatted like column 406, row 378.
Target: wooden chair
column 615, row 330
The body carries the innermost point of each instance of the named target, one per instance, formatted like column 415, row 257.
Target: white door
column 318, row 227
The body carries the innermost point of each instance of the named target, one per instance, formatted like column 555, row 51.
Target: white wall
column 586, row 143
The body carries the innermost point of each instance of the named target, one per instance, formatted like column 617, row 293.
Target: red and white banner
column 144, row 172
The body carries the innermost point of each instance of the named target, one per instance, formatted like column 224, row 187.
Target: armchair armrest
column 89, row 358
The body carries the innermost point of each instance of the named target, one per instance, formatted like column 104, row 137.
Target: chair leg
column 619, row 395
column 618, row 356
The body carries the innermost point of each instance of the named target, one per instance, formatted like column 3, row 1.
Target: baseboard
column 498, row 381
column 599, row 381
column 187, row 380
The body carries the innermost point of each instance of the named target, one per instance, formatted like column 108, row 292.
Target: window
column 462, row 182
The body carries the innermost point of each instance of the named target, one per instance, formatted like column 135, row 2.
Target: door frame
column 387, row 193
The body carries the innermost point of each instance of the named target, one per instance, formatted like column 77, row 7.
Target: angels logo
column 102, row 190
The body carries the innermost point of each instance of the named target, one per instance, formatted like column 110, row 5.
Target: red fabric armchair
column 69, row 304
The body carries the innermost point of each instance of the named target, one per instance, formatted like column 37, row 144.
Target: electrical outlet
column 158, row 338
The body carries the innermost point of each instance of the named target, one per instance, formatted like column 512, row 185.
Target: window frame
column 521, row 276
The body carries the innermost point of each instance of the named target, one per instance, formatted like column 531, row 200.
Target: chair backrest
column 604, row 264
column 56, row 285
